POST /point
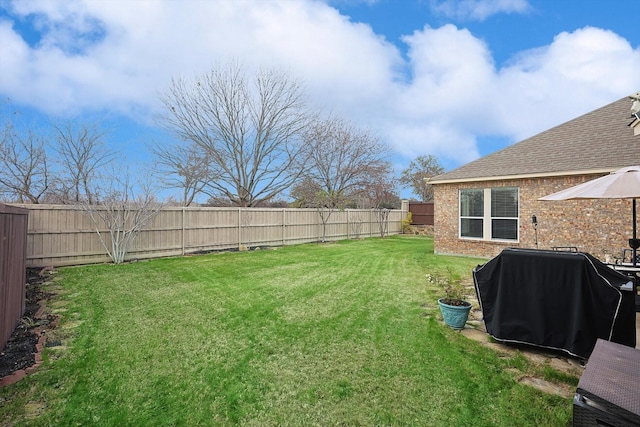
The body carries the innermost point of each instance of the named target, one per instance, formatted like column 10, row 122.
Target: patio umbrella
column 621, row 184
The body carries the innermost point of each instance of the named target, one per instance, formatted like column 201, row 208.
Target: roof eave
column 523, row 176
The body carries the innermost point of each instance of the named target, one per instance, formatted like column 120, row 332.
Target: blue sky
column 455, row 79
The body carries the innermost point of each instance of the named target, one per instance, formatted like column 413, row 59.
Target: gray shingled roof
column 596, row 142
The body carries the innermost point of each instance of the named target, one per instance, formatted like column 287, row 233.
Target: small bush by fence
column 13, row 244
column 64, row 235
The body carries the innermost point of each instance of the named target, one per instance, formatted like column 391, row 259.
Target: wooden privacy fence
column 13, row 245
column 64, row 235
column 421, row 213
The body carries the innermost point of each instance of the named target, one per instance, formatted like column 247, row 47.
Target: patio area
column 475, row 330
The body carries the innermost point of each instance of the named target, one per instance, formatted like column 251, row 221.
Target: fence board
column 64, row 235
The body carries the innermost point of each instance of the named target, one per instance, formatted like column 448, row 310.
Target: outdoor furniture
column 607, row 393
column 627, row 256
column 634, row 274
column 556, row 300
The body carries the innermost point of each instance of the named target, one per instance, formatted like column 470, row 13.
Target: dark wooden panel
column 421, row 213
column 13, row 256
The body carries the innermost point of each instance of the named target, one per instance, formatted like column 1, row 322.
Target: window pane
column 471, row 227
column 504, row 229
column 472, row 203
column 504, row 202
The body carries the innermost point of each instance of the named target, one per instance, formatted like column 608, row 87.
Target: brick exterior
column 600, row 227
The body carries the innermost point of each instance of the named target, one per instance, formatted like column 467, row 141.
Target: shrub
column 406, row 223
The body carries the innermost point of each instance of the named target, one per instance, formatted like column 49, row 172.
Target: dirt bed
column 19, row 352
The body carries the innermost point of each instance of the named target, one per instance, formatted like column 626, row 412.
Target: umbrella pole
column 635, row 240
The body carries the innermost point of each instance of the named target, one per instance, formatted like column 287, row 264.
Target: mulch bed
column 22, row 353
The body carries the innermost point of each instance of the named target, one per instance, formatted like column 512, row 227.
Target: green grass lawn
column 343, row 333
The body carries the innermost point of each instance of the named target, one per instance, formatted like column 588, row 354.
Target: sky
column 454, row 79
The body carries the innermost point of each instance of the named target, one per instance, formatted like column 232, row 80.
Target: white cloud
column 148, row 42
column 453, row 76
column 438, row 101
column 451, row 70
column 576, row 73
column 456, row 93
column 479, row 10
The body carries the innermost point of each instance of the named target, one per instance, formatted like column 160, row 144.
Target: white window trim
column 487, row 218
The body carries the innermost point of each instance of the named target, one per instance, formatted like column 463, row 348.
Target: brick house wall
column 600, row 227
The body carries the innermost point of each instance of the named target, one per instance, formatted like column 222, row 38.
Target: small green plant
column 406, row 223
column 451, row 284
column 29, row 323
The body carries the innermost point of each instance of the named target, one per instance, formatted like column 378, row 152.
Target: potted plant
column 453, row 306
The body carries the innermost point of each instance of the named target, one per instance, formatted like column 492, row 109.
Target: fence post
column 284, row 226
column 239, row 228
column 370, row 222
column 183, row 230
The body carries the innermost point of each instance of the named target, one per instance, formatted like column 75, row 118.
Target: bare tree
column 382, row 193
column 382, row 218
column 356, row 226
column 250, row 129
column 24, row 172
column 218, row 201
column 326, row 203
column 382, row 197
column 81, row 154
column 185, row 167
column 344, row 163
column 310, row 194
column 304, row 193
column 414, row 176
column 123, row 212
column 343, row 160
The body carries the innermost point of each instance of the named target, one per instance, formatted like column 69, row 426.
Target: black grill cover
column 557, row 300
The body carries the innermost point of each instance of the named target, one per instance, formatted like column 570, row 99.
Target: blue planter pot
column 454, row 315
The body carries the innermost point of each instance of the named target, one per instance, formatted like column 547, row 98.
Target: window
column 471, row 213
column 504, row 213
column 489, row 213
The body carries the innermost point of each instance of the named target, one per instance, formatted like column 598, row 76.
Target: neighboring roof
column 598, row 142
